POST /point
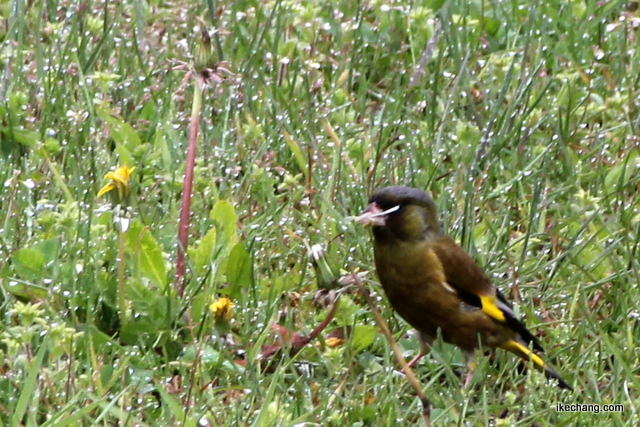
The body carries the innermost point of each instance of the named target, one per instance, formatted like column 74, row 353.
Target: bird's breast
column 410, row 266
column 415, row 284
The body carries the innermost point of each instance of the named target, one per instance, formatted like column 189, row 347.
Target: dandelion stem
column 57, row 177
column 185, row 208
column 122, row 301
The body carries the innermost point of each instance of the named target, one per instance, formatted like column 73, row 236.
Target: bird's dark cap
column 388, row 197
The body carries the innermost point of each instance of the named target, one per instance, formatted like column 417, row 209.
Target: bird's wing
column 474, row 288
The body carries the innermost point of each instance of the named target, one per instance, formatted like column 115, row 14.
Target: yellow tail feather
column 525, row 354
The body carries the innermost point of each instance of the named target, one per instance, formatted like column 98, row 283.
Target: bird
column 433, row 284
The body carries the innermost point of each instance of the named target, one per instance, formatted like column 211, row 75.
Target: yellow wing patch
column 489, row 306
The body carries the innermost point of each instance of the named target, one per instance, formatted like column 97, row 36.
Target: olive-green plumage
column 435, row 285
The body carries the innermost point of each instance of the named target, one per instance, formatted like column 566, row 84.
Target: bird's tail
column 525, row 354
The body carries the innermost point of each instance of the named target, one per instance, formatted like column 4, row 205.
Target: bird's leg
column 470, row 361
column 425, row 348
column 416, row 359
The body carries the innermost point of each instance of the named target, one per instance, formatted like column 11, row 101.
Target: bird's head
column 401, row 213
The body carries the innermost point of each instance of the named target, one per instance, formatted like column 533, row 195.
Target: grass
column 522, row 121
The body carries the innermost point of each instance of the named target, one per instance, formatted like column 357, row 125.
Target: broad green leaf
column 224, row 217
column 31, row 262
column 363, row 336
column 162, row 147
column 25, row 137
column 126, row 157
column 147, row 253
column 28, row 263
column 203, row 253
column 491, row 26
column 210, row 357
column 49, row 249
column 238, row 270
column 138, row 332
column 591, row 258
column 125, row 136
column 346, row 311
column 199, row 305
column 121, row 131
column 24, row 290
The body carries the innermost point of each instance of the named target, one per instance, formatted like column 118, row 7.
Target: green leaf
column 174, row 406
column 296, row 150
column 125, row 136
column 202, row 254
column 209, row 357
column 238, row 270
column 121, row 131
column 491, row 26
column 24, row 290
column 199, row 305
column 31, row 262
column 346, row 311
column 363, row 336
column 224, row 217
column 147, row 253
column 126, row 157
column 623, row 172
column 49, row 249
column 30, row 385
column 25, row 137
column 162, row 147
column 142, row 332
column 28, row 263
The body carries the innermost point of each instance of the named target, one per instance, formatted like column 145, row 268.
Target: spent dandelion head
column 206, row 67
column 205, row 57
column 327, row 274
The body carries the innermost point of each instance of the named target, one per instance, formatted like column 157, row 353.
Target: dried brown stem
column 411, row 377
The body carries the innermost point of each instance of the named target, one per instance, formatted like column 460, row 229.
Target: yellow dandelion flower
column 334, row 342
column 222, row 309
column 119, row 181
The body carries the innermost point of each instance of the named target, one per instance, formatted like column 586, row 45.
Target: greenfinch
column 437, row 287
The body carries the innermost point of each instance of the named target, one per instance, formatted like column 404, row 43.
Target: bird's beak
column 374, row 215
